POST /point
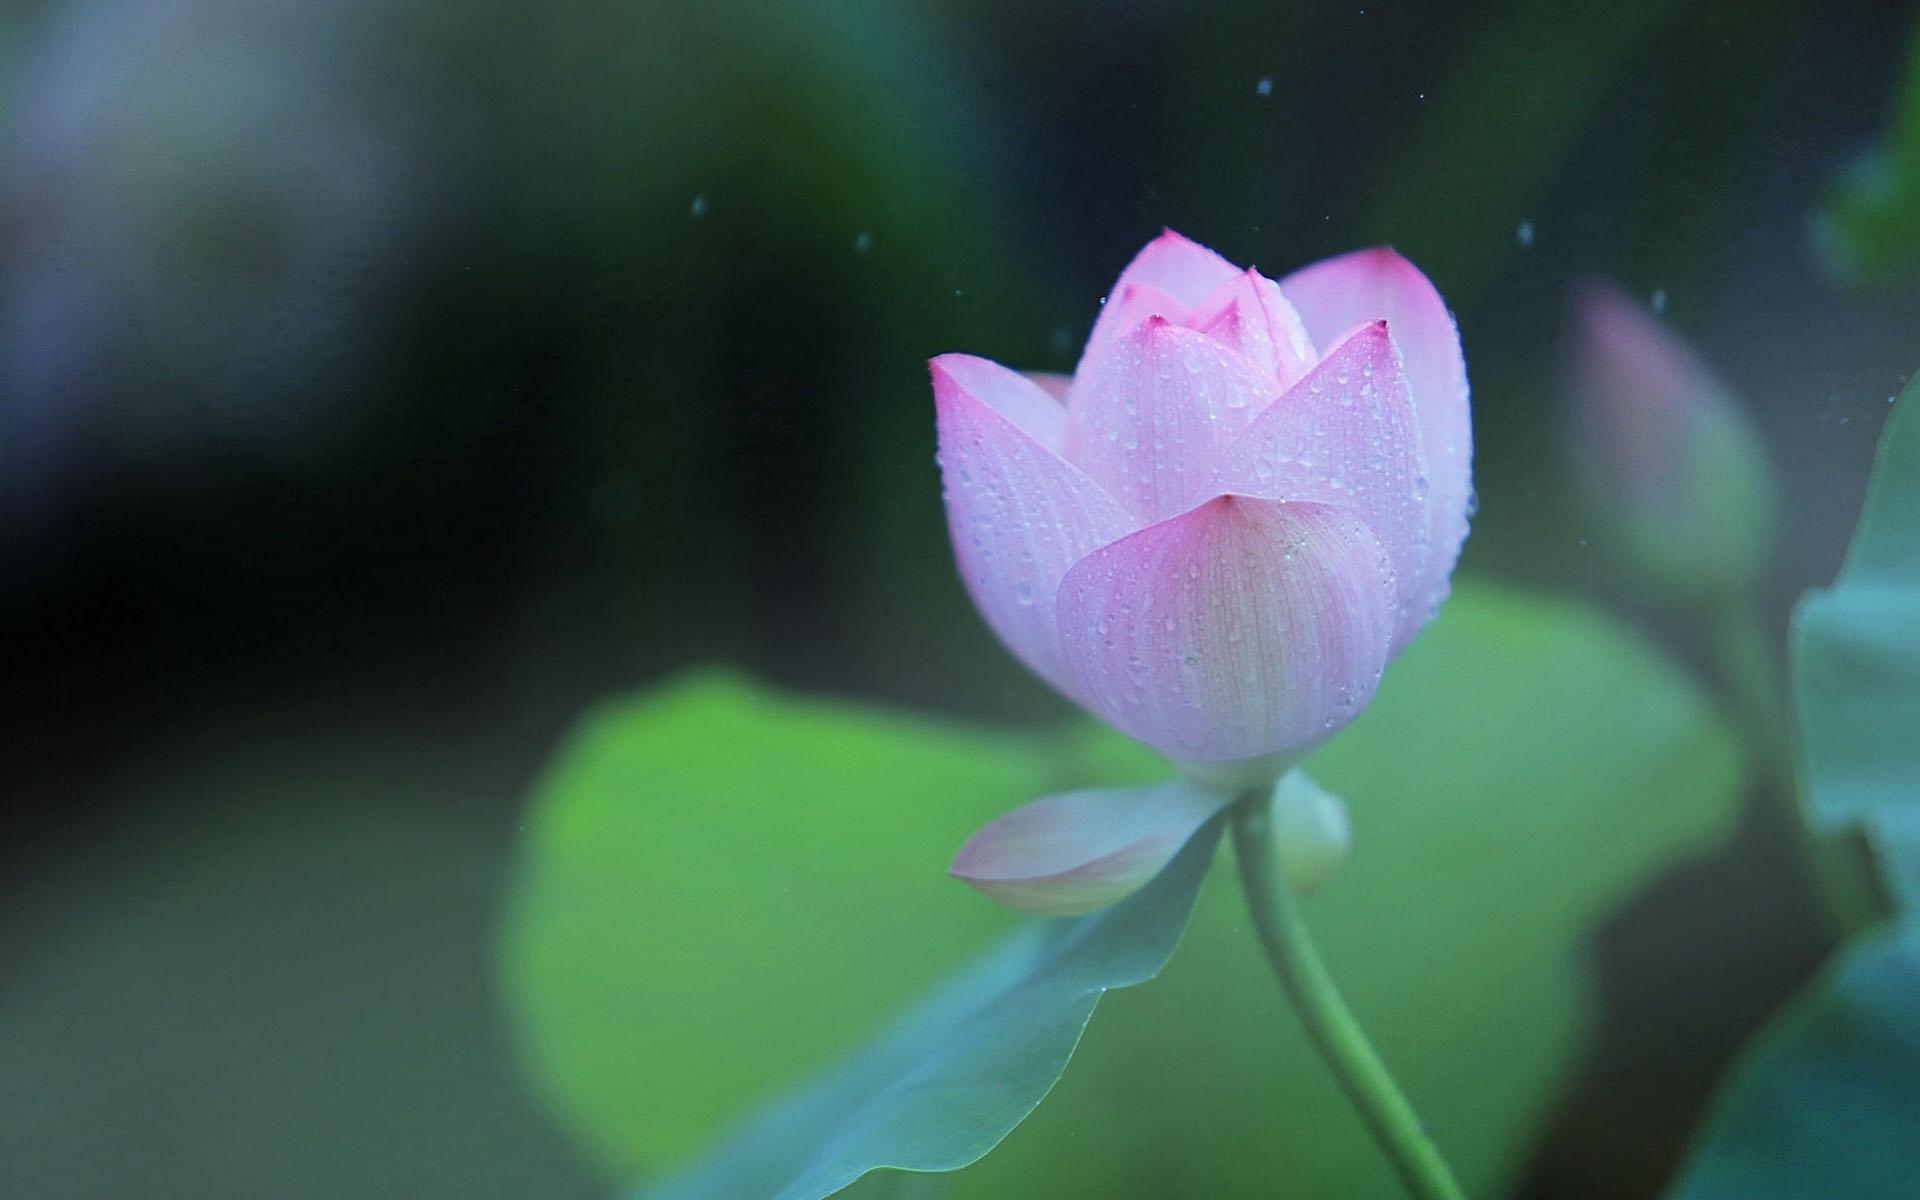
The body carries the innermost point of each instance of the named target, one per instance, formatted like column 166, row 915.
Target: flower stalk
column 1331, row 1025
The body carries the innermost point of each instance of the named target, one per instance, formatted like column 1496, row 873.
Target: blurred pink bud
column 1668, row 461
column 1246, row 501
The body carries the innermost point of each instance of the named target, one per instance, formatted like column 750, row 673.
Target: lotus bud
column 1245, row 503
column 1666, row 459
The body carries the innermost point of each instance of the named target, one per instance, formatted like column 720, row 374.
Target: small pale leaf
column 1074, row 852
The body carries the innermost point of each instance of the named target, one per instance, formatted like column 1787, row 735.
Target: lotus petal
column 1020, row 514
column 1170, row 264
column 1346, row 435
column 1337, row 294
column 1251, row 314
column 1151, row 413
column 1241, row 628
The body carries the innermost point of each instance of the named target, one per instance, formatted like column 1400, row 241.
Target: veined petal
column 1020, row 400
column 1240, row 628
column 1019, row 514
column 1250, row 314
column 1369, row 285
column 1170, row 265
column 1346, row 435
column 1151, row 413
column 1071, row 853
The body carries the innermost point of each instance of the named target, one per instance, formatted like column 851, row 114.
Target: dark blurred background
column 383, row 380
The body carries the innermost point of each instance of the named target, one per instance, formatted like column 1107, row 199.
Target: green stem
column 1834, row 867
column 1328, row 1020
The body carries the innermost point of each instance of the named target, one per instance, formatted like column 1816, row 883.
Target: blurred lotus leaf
column 685, row 941
column 1827, row 1101
column 1868, row 230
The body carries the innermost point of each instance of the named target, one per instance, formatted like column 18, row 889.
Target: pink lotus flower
column 1249, row 497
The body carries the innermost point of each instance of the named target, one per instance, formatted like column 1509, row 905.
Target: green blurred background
column 384, row 381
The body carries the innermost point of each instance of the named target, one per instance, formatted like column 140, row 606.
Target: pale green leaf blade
column 1826, row 1102
column 1894, row 834
column 948, row 1081
column 1856, row 649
